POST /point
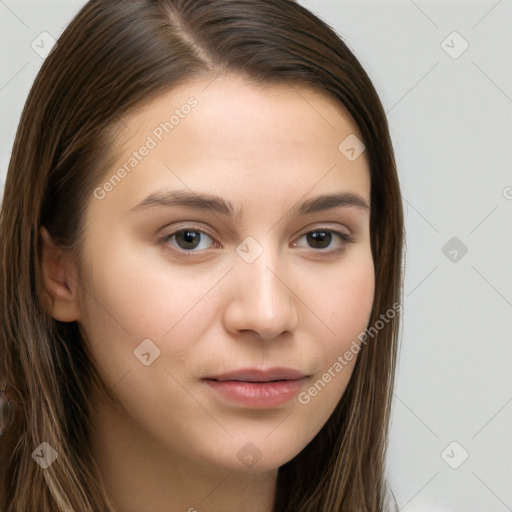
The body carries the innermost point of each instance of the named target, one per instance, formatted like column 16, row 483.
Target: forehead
column 238, row 107
column 229, row 136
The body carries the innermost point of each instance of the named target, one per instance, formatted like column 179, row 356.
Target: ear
column 59, row 279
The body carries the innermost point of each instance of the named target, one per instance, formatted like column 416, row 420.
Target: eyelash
column 346, row 239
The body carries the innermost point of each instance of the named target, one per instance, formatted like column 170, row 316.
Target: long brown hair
column 112, row 58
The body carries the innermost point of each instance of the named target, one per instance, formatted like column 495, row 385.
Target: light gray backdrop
column 443, row 70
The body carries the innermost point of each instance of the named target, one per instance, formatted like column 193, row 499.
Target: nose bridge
column 262, row 301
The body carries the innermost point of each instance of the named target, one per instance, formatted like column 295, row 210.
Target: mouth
column 257, row 388
column 256, row 375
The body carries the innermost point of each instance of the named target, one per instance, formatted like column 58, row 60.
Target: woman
column 201, row 247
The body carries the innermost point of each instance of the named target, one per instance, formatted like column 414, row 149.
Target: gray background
column 450, row 115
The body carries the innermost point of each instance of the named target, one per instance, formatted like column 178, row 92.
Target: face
column 221, row 294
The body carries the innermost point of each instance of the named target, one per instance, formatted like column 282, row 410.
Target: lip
column 257, row 375
column 257, row 388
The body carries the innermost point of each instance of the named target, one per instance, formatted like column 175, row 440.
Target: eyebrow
column 205, row 201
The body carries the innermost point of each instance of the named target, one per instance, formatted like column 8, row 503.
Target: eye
column 192, row 240
column 322, row 238
column 188, row 239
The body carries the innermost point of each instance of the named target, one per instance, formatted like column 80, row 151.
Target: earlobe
column 58, row 278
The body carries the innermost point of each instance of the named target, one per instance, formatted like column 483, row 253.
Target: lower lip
column 257, row 394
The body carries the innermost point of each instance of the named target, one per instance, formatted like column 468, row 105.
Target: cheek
column 347, row 299
column 134, row 295
column 345, row 306
column 146, row 297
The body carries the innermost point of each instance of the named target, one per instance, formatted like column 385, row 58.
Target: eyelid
column 346, row 238
column 312, row 227
column 326, row 227
column 164, row 239
column 173, row 229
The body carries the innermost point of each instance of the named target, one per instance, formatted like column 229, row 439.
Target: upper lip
column 256, row 375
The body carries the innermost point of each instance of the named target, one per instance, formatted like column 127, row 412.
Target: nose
column 261, row 299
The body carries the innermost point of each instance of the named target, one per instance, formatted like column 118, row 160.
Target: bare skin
column 174, row 443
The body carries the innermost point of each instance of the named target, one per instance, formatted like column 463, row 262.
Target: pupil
column 190, row 237
column 320, row 236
